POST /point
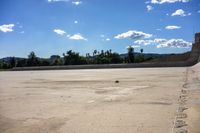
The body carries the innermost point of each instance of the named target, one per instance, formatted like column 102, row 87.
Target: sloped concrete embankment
column 187, row 119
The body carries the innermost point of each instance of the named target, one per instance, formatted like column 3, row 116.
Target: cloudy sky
column 55, row 26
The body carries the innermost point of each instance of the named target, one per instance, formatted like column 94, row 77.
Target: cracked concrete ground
column 90, row 101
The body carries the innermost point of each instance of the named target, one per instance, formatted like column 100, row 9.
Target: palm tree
column 102, row 52
column 110, row 51
column 94, row 52
column 141, row 50
column 87, row 55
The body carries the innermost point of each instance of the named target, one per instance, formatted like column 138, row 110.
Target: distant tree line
column 74, row 58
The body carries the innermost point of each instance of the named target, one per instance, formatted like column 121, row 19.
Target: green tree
column 21, row 63
column 4, row 65
column 1, row 64
column 13, row 62
column 56, row 60
column 130, row 54
column 44, row 62
column 73, row 58
column 32, row 59
column 107, row 57
column 115, row 58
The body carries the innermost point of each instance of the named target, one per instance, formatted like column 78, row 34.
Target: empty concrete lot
column 89, row 101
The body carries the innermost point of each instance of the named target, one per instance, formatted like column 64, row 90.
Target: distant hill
column 172, row 57
column 8, row 59
column 147, row 55
column 153, row 57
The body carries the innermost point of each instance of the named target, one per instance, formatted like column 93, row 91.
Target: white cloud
column 147, row 2
column 59, row 31
column 174, row 43
column 132, row 34
column 167, row 1
column 58, row 0
column 172, row 27
column 107, row 39
column 143, row 42
column 149, row 8
column 148, row 42
column 163, row 43
column 180, row 12
column 77, row 36
column 76, row 22
column 159, row 40
column 7, row 28
column 104, row 38
column 133, row 46
column 198, row 11
column 158, row 29
column 76, row 2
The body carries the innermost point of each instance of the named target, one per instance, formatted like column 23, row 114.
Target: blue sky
column 50, row 27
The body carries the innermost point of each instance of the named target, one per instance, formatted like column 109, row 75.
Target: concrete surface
column 146, row 100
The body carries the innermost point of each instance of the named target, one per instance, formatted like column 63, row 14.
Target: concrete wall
column 104, row 66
